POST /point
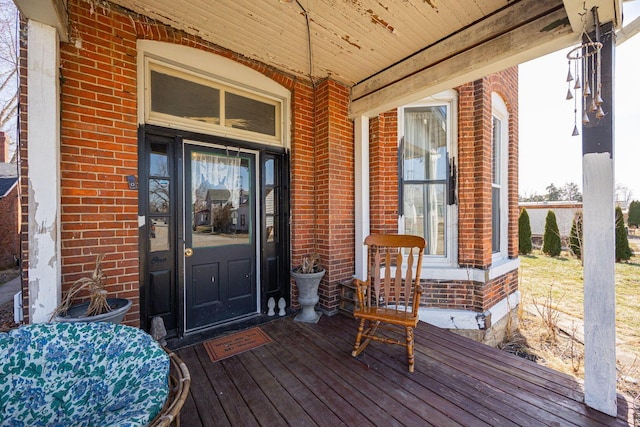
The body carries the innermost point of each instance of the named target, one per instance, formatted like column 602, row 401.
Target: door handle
column 188, row 252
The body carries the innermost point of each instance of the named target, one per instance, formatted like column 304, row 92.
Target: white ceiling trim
column 49, row 12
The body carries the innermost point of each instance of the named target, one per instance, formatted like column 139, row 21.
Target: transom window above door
column 185, row 99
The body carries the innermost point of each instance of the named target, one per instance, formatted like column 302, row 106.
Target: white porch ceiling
column 350, row 40
column 387, row 51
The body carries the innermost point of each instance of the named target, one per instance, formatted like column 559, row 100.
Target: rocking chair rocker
column 390, row 297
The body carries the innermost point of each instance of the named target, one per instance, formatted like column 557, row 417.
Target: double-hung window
column 427, row 175
column 499, row 177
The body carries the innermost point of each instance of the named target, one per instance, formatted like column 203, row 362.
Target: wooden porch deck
column 307, row 376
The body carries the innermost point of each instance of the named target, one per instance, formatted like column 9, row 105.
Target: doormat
column 230, row 345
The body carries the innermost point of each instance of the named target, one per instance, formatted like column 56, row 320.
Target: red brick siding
column 498, row 289
column 383, row 172
column 9, row 231
column 334, row 188
column 504, row 84
column 99, row 145
column 24, row 164
column 459, row 295
column 303, row 164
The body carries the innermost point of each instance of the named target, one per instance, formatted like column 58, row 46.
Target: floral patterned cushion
column 81, row 374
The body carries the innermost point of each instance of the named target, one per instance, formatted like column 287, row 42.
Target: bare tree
column 8, row 68
column 571, row 192
column 623, row 195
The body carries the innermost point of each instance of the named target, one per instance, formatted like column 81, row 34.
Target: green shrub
column 524, row 233
column 552, row 245
column 634, row 214
column 575, row 237
column 623, row 251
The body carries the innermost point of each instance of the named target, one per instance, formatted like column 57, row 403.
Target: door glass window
column 159, row 234
column 159, row 198
column 220, row 199
column 158, row 195
column 158, row 161
column 272, row 197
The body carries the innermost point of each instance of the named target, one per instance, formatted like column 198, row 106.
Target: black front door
column 219, row 235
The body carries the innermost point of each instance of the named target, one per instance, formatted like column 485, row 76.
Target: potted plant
column 99, row 308
column 307, row 277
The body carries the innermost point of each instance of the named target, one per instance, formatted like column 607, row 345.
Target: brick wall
column 9, row 232
column 24, row 165
column 4, row 148
column 99, row 145
column 334, row 194
column 303, row 166
column 383, row 170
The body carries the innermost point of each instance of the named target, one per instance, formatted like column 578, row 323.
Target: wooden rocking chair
column 390, row 297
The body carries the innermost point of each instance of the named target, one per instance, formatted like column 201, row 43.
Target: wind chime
column 585, row 60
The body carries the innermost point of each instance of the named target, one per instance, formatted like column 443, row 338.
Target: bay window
column 427, row 175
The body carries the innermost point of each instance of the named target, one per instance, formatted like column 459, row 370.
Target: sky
column 547, row 151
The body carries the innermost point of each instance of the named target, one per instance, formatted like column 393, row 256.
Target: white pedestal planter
column 308, row 295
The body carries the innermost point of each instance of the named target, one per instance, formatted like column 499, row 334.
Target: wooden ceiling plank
column 519, row 45
column 482, row 31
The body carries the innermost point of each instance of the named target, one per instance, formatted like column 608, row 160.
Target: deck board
column 306, row 376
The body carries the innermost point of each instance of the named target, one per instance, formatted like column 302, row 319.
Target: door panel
column 275, row 280
column 220, row 254
column 206, row 294
column 242, row 281
column 158, row 236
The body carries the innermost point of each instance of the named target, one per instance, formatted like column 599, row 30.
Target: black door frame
column 267, row 287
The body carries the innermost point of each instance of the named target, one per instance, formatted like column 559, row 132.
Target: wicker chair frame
column 179, row 384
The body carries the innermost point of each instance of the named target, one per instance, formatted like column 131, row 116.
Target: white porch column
column 361, row 163
column 43, row 148
column 599, row 249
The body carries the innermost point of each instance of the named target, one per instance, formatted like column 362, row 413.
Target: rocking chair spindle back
column 389, row 299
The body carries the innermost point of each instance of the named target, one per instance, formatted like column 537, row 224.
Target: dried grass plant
column 310, row 264
column 97, row 293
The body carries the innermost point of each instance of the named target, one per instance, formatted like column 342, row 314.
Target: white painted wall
column 538, row 218
column 44, row 171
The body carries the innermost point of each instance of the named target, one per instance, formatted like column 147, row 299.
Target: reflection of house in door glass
column 220, row 194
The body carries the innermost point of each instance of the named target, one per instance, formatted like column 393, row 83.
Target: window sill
column 498, row 268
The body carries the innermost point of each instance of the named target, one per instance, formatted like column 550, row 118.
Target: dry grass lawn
column 552, row 295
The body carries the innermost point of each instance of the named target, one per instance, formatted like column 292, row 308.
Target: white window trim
column 450, row 99
column 217, row 69
column 499, row 110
